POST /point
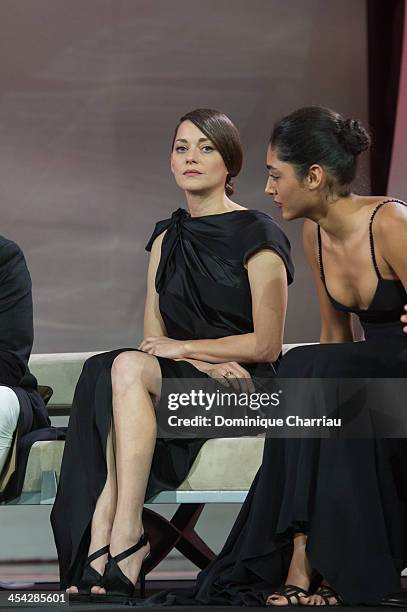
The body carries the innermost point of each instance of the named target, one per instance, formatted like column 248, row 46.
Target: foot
column 323, row 596
column 73, row 590
column 130, row 566
column 287, row 595
column 98, row 541
column 298, row 578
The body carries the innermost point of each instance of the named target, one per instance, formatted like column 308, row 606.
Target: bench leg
column 49, row 485
column 191, row 544
column 177, row 533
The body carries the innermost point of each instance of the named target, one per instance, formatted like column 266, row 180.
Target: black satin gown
column 348, row 495
column 204, row 292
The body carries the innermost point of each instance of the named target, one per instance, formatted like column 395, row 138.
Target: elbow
column 267, row 349
column 268, row 354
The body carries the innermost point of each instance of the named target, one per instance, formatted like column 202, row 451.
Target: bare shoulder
column 310, row 242
column 391, row 218
column 309, row 234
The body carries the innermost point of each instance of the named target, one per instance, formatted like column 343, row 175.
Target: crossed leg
column 136, row 387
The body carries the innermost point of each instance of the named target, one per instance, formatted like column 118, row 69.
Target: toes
column 275, row 600
column 97, row 590
column 72, row 589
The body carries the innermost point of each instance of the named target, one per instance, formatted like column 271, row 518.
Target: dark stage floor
column 153, row 586
column 93, row 607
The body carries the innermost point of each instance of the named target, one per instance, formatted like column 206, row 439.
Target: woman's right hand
column 229, row 374
column 403, row 319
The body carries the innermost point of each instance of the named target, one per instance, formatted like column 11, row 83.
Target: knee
column 9, row 413
column 128, row 368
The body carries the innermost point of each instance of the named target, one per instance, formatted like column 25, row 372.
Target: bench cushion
column 213, row 469
column 60, row 371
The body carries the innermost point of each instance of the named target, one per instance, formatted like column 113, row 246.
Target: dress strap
column 321, row 265
column 372, row 249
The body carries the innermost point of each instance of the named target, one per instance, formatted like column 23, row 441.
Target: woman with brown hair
column 215, row 307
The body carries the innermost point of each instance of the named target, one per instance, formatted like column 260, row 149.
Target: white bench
column 215, row 475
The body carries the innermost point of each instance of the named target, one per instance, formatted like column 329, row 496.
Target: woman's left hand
column 161, row 346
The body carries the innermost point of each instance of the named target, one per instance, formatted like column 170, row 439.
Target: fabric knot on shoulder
column 173, row 238
column 179, row 215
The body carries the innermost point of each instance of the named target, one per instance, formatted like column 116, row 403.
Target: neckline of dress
column 219, row 214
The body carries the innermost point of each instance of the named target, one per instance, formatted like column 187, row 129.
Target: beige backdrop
column 90, row 91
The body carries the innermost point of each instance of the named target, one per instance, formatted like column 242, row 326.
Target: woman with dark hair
column 349, row 523
column 325, row 520
column 215, row 308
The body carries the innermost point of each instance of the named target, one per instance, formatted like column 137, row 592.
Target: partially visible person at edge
column 22, row 409
column 215, row 308
column 325, row 520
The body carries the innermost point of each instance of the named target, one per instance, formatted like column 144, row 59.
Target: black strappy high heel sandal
column 90, row 577
column 117, row 584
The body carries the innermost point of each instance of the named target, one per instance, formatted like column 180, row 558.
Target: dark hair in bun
column 319, row 135
column 223, row 134
column 354, row 137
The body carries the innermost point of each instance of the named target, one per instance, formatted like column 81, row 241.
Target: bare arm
column 390, row 231
column 336, row 326
column 391, row 235
column 153, row 323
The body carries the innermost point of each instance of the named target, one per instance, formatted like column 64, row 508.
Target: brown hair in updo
column 223, row 134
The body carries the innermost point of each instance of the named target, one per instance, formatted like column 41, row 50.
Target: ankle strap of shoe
column 126, row 553
column 98, row 553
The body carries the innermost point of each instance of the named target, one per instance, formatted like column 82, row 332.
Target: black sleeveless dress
column 204, row 292
column 348, row 495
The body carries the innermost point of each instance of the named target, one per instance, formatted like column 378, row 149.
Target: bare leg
column 136, row 383
column 103, row 516
column 299, row 572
